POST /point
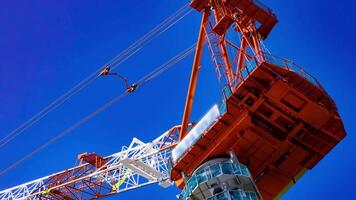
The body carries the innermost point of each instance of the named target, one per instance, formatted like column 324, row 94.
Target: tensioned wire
column 113, row 63
column 143, row 81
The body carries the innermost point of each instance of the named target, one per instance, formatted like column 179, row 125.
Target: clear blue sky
column 46, row 47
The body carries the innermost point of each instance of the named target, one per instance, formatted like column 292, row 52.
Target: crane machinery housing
column 274, row 123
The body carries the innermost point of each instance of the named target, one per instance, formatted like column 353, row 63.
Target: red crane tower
column 275, row 119
column 274, row 123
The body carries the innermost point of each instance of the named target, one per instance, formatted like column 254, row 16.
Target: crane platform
column 275, row 117
column 252, row 9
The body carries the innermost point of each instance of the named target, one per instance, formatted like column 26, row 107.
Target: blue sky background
column 46, row 47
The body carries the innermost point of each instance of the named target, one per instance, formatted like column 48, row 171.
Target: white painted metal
column 137, row 165
column 196, row 133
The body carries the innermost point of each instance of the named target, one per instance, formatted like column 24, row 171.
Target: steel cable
column 155, row 32
column 156, row 72
column 115, row 62
column 166, row 65
column 37, row 118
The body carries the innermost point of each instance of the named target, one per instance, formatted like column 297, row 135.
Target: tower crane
column 274, row 123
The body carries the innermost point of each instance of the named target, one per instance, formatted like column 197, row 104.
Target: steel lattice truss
column 137, row 165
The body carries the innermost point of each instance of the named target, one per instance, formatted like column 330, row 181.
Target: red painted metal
column 279, row 120
column 194, row 73
column 75, row 183
column 217, row 55
column 94, row 159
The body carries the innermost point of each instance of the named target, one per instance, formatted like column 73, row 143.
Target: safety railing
column 211, row 172
column 264, row 7
column 257, row 60
column 242, row 76
column 291, row 66
column 234, row 195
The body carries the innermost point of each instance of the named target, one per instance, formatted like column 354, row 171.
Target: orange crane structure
column 274, row 123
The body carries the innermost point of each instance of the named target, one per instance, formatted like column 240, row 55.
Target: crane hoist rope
column 148, row 37
column 144, row 80
column 113, row 63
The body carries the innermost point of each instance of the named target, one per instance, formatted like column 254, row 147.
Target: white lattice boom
column 137, row 165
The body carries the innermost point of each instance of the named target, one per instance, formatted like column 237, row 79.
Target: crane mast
column 251, row 19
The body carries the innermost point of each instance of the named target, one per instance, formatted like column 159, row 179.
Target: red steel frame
column 279, row 120
column 75, row 183
column 194, row 73
column 245, row 13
